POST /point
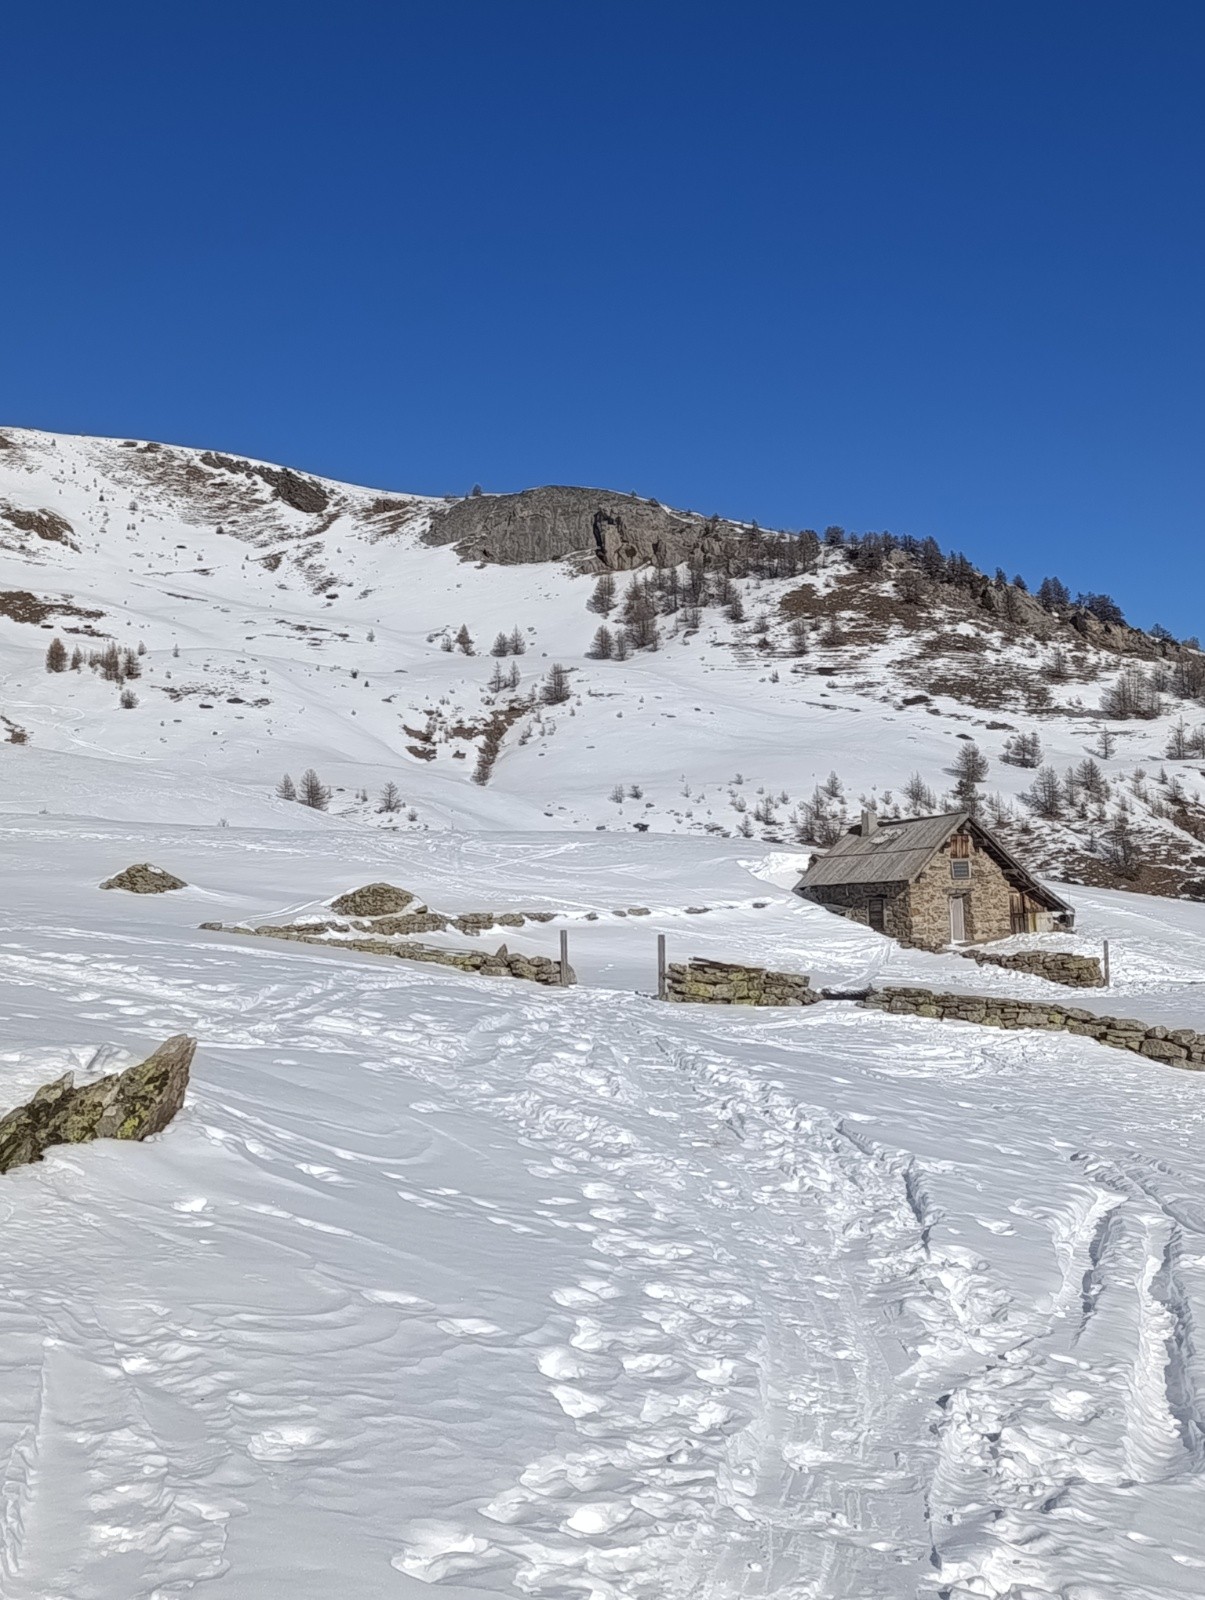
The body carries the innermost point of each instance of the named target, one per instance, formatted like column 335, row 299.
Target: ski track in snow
column 570, row 1295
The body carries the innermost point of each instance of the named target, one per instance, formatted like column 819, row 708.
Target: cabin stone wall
column 987, row 901
column 852, row 900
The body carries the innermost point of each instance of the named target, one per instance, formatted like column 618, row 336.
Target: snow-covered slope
column 290, row 623
column 455, row 1285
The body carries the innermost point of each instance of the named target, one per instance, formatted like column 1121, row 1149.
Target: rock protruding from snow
column 125, row 1105
column 373, row 900
column 621, row 531
column 143, row 878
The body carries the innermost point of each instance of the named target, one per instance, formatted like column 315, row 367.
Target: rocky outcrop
column 126, row 1105
column 616, row 531
column 145, row 879
column 1056, row 966
column 292, row 488
column 725, row 983
column 373, row 900
column 1180, row 1047
column 45, row 524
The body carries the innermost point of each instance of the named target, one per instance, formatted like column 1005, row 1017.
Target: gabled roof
column 898, row 852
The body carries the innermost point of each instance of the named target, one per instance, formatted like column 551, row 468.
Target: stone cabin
column 932, row 882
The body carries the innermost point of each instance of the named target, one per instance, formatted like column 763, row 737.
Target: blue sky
column 935, row 267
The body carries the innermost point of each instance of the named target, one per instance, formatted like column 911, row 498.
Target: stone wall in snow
column 724, row 983
column 1057, row 966
column 1180, row 1047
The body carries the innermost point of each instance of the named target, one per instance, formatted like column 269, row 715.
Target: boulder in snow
column 372, row 900
column 145, row 879
column 125, row 1105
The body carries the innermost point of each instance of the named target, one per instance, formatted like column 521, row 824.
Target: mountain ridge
column 278, row 621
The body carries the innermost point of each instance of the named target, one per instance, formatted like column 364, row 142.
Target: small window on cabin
column 960, row 847
column 960, row 869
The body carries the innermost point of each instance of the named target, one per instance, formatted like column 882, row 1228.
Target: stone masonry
column 1057, row 966
column 852, row 901
column 918, row 913
column 724, row 983
column 987, row 901
column 1179, row 1047
column 499, row 963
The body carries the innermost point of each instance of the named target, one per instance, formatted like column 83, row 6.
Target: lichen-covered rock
column 373, row 900
column 143, row 878
column 125, row 1105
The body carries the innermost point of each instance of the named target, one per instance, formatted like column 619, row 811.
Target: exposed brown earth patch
column 18, row 605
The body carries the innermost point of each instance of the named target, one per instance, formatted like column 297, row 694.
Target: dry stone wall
column 1180, row 1047
column 724, row 983
column 498, row 963
column 1057, row 966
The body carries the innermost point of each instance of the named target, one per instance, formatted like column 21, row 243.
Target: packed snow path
column 444, row 1281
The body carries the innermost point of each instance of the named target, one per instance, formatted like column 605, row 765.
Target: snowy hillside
column 443, row 1284
column 279, row 623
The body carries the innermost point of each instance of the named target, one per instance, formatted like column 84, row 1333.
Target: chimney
column 870, row 821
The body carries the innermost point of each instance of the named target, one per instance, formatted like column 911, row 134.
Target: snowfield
column 443, row 1280
column 449, row 1285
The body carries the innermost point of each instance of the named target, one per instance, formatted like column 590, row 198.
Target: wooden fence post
column 1106, row 964
column 661, row 966
column 564, row 959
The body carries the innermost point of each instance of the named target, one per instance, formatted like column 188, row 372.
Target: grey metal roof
column 894, row 853
column 897, row 852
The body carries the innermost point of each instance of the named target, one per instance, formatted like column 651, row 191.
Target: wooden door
column 878, row 913
column 958, row 920
column 1016, row 911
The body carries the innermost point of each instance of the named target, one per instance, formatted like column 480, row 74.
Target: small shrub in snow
column 602, row 647
column 1023, row 750
column 1178, row 748
column 1092, row 781
column 1046, row 794
column 556, row 686
column 1133, row 695
column 602, row 601
column 313, row 791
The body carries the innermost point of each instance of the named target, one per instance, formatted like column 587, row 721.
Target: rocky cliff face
column 125, row 1105
column 616, row 531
